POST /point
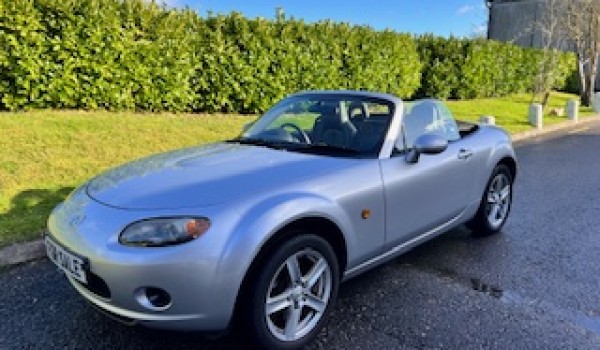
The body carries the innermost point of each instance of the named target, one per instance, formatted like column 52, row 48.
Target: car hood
column 204, row 175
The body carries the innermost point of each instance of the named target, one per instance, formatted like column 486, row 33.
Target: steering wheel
column 298, row 132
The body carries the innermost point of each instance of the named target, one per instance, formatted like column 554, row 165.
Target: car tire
column 292, row 294
column 496, row 203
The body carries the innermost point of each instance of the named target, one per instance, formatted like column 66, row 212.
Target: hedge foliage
column 135, row 54
column 475, row 68
column 95, row 53
column 247, row 64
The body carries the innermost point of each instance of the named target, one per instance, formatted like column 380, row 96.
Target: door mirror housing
column 426, row 144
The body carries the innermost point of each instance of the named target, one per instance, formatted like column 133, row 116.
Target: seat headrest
column 323, row 108
column 424, row 112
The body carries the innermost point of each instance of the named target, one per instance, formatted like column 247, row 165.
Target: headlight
column 163, row 232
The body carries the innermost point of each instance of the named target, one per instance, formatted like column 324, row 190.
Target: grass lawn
column 511, row 112
column 45, row 154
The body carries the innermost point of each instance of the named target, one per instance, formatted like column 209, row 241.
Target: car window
column 321, row 123
column 428, row 117
column 447, row 125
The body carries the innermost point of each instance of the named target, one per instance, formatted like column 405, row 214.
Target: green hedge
column 245, row 65
column 125, row 54
column 135, row 54
column 475, row 68
column 95, row 53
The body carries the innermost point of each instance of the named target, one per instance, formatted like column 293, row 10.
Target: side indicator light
column 366, row 213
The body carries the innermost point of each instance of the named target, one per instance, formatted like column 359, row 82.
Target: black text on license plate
column 72, row 265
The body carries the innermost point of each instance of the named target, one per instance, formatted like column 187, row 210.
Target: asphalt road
column 534, row 286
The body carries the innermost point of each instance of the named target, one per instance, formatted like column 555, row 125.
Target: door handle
column 464, row 154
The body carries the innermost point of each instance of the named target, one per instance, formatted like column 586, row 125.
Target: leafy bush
column 443, row 60
column 475, row 68
column 95, row 53
column 135, row 54
column 568, row 79
column 21, row 46
column 126, row 54
column 245, row 65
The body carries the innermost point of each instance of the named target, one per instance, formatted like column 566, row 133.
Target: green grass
column 45, row 154
column 511, row 112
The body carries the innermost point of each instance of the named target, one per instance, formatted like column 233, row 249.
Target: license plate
column 70, row 263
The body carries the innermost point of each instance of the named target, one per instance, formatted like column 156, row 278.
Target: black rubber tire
column 479, row 224
column 254, row 324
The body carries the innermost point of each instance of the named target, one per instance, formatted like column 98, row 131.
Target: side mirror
column 426, row 144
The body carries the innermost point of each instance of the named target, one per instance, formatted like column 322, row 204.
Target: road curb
column 553, row 128
column 23, row 252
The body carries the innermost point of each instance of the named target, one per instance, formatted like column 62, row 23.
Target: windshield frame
column 378, row 151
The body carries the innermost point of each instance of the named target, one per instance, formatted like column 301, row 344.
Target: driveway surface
column 534, row 286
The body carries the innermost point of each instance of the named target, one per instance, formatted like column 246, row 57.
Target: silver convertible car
column 260, row 231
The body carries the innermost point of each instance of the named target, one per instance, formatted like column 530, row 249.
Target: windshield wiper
column 248, row 141
column 259, row 142
column 323, row 148
column 316, row 148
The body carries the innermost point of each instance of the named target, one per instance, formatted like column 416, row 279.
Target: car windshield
column 336, row 125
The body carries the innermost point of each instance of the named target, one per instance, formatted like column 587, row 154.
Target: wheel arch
column 325, row 228
column 511, row 163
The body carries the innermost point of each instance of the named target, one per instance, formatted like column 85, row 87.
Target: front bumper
column 201, row 297
column 152, row 320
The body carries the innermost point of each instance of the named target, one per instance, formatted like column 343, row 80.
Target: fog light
column 153, row 298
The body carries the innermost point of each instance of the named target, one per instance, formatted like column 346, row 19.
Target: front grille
column 96, row 285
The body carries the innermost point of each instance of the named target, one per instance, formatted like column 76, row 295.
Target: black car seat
column 370, row 131
column 331, row 128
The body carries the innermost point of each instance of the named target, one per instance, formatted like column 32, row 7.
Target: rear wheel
column 495, row 203
column 292, row 294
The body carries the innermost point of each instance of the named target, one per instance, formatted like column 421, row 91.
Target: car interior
column 426, row 117
column 332, row 127
column 351, row 126
column 361, row 125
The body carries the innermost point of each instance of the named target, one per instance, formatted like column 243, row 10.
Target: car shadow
column 362, row 300
column 28, row 212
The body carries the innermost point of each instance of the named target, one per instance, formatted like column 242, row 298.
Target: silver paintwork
column 249, row 193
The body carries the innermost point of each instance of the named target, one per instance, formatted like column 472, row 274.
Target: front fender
column 262, row 220
column 501, row 149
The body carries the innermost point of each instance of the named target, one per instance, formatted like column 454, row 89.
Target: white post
column 596, row 102
column 573, row 110
column 536, row 113
column 487, row 119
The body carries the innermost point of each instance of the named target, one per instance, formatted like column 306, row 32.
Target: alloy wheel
column 498, row 200
column 298, row 295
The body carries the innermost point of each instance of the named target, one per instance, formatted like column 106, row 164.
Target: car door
column 435, row 190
